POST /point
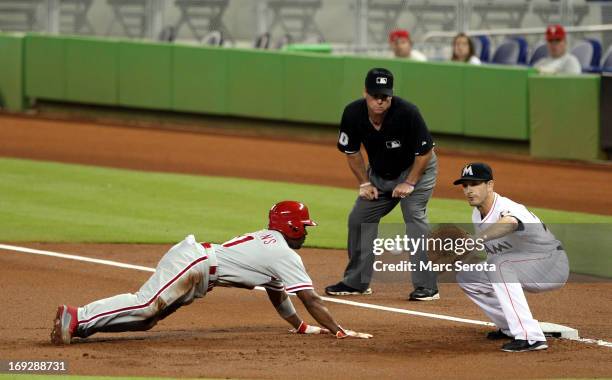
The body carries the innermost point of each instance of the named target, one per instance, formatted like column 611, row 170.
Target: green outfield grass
column 52, row 202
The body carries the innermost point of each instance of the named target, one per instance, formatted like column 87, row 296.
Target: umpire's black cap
column 475, row 171
column 379, row 81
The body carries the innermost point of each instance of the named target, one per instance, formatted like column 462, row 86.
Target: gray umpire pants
column 365, row 217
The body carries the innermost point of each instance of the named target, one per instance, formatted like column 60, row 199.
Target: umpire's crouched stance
column 402, row 169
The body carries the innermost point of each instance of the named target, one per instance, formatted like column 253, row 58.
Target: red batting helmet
column 290, row 219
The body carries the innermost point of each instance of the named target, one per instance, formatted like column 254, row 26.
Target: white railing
column 514, row 32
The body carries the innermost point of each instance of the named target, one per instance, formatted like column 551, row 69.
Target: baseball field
column 73, row 191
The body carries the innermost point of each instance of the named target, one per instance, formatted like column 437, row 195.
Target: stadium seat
column 262, row 41
column 541, row 51
column 523, row 49
column 167, row 34
column 283, row 41
column 588, row 52
column 606, row 62
column 511, row 52
column 213, row 38
column 482, row 47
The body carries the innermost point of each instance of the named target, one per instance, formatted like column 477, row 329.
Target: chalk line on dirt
column 117, row 264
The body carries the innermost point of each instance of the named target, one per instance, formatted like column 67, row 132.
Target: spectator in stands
column 463, row 50
column 559, row 60
column 401, row 44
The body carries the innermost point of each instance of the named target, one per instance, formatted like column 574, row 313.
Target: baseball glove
column 446, row 245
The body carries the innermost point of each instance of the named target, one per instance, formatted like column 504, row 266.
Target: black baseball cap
column 475, row 171
column 379, row 81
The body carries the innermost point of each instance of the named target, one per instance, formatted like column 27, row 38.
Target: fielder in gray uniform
column 190, row 269
column 525, row 256
column 402, row 169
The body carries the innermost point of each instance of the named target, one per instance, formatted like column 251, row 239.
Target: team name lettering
column 497, row 248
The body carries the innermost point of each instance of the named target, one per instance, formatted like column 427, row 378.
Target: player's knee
column 462, row 280
column 414, row 213
column 355, row 219
column 466, row 282
column 154, row 310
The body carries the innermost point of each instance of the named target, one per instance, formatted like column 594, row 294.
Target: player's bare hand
column 368, row 192
column 342, row 334
column 402, row 190
column 309, row 329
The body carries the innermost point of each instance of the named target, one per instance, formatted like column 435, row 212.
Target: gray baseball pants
column 365, row 217
column 182, row 275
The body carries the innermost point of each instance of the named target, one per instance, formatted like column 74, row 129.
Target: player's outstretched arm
column 283, row 305
column 315, row 306
column 505, row 225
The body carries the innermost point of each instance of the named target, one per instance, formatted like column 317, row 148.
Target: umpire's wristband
column 365, row 184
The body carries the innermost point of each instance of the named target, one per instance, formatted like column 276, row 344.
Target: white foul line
column 75, row 257
column 328, row 299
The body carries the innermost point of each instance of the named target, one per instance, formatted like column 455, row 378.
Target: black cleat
column 341, row 289
column 424, row 294
column 520, row 345
column 497, row 335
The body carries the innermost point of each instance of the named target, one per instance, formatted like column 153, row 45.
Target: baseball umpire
column 525, row 256
column 402, row 169
column 189, row 270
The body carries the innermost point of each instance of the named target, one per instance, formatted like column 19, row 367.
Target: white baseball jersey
column 261, row 258
column 529, row 258
column 532, row 236
column 566, row 64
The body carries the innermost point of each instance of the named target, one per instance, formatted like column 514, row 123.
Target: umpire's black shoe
column 424, row 294
column 520, row 345
column 341, row 289
column 497, row 335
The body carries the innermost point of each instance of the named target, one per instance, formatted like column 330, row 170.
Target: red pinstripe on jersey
column 298, row 287
column 508, row 291
column 239, row 241
column 149, row 302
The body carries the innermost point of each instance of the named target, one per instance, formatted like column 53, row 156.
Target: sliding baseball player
column 525, row 255
column 189, row 270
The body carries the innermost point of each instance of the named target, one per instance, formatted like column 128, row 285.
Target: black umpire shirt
column 391, row 150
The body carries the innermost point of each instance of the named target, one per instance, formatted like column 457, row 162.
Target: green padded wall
column 45, row 69
column 437, row 89
column 481, row 101
column 255, row 84
column 92, row 70
column 11, row 72
column 496, row 102
column 564, row 114
column 199, row 79
column 312, row 88
column 145, row 75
